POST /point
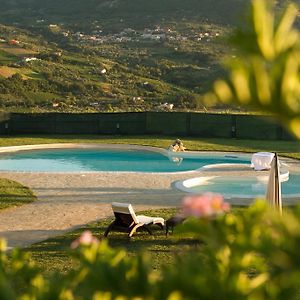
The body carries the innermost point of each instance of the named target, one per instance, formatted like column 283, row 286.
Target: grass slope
column 14, row 194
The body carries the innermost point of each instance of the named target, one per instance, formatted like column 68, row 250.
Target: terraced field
column 131, row 55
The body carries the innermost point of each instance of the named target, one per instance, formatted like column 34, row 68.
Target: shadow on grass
column 54, row 254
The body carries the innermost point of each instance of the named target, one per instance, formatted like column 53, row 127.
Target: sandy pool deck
column 67, row 201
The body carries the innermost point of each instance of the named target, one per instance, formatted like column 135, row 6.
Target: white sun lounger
column 126, row 220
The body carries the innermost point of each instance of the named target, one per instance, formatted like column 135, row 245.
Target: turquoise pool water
column 247, row 186
column 74, row 160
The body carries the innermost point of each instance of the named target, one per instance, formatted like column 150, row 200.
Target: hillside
column 97, row 55
column 138, row 13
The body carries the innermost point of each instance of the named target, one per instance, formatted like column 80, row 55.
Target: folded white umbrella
column 273, row 195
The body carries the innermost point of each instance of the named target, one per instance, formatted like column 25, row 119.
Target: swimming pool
column 110, row 160
column 239, row 187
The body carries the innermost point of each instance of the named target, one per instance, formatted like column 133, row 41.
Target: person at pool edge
column 177, row 146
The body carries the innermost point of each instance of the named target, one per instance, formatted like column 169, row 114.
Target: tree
column 266, row 72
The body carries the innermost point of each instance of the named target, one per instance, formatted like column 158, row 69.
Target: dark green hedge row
column 175, row 123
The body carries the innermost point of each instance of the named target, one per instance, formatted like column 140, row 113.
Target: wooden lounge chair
column 126, row 220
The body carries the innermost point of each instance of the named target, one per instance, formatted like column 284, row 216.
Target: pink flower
column 205, row 205
column 86, row 238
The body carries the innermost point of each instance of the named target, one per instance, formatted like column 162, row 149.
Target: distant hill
column 138, row 12
column 118, row 55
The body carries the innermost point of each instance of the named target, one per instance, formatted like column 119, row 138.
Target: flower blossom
column 86, row 238
column 205, row 205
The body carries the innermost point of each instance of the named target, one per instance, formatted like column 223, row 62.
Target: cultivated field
column 17, row 51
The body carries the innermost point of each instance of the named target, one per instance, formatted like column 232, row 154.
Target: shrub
column 251, row 254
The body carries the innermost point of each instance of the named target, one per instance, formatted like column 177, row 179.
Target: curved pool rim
column 165, row 152
column 187, row 185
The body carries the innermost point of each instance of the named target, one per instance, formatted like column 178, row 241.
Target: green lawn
column 14, row 194
column 53, row 254
column 285, row 148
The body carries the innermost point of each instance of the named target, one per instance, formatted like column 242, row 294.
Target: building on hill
column 28, row 59
column 14, row 42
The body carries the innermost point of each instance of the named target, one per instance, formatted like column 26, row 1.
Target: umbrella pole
column 278, row 203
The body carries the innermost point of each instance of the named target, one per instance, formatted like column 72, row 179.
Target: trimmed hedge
column 165, row 123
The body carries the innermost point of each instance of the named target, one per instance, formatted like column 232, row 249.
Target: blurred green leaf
column 265, row 73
